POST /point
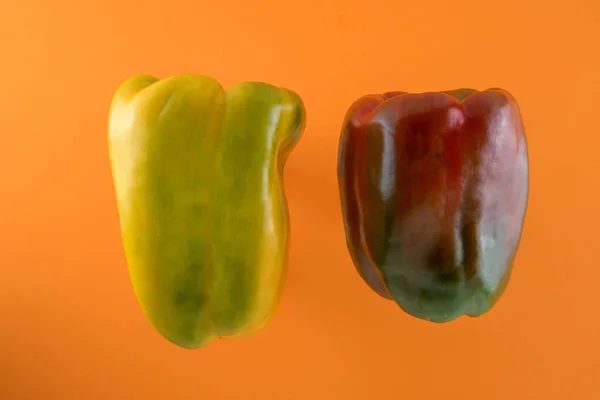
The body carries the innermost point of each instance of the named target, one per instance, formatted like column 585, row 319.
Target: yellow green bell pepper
column 197, row 172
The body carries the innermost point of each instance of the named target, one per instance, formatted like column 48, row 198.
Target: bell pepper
column 434, row 189
column 197, row 172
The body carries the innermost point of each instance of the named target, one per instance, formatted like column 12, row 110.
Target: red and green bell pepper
column 434, row 190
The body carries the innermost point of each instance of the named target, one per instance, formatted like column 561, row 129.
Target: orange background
column 70, row 326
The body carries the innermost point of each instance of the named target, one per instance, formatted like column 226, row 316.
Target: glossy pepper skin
column 434, row 189
column 197, row 171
